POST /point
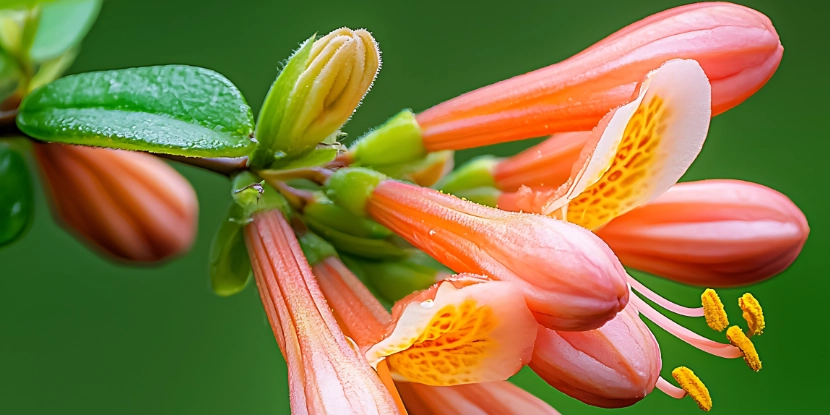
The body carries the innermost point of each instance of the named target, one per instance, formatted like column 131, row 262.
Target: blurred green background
column 81, row 335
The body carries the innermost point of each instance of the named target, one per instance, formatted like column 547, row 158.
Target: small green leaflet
column 62, row 25
column 175, row 109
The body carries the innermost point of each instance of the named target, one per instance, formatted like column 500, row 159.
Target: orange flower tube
column 491, row 398
column 130, row 205
column 737, row 47
column 571, row 280
column 613, row 366
column 327, row 375
column 718, row 233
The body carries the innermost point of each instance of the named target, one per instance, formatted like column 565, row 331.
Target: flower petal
column 641, row 149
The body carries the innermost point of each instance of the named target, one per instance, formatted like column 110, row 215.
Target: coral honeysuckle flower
column 327, row 374
column 571, row 280
column 635, row 154
column 613, row 366
column 737, row 47
column 491, row 398
column 619, row 364
column 365, row 320
column 130, row 205
column 716, row 233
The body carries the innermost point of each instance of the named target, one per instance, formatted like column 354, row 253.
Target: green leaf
column 9, row 76
column 62, row 25
column 179, row 110
column 53, row 69
column 230, row 267
column 16, row 195
column 22, row 4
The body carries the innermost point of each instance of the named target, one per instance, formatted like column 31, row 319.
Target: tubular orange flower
column 319, row 356
column 613, row 366
column 491, row 398
column 737, row 47
column 130, row 205
column 720, row 233
column 571, row 280
column 363, row 318
column 546, row 165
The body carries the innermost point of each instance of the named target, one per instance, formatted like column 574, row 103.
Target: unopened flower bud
column 130, row 205
column 315, row 94
column 716, row 233
column 613, row 366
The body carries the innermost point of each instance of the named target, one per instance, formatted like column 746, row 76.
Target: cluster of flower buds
column 497, row 265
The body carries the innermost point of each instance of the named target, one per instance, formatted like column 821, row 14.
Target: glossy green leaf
column 63, row 24
column 16, row 195
column 176, row 109
column 230, row 267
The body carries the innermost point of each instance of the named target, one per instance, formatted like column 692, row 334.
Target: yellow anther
column 713, row 310
column 753, row 314
column 738, row 339
column 693, row 387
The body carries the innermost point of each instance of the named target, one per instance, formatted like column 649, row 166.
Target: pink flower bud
column 130, row 205
column 611, row 367
column 737, row 48
column 718, row 233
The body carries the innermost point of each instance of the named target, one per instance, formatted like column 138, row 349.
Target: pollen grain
column 693, row 387
column 713, row 310
column 738, row 339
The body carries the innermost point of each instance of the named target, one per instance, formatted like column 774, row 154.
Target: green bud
column 477, row 172
column 16, row 195
column 397, row 141
column 358, row 272
column 424, row 172
column 324, row 211
column 230, row 266
column 315, row 94
column 351, row 187
column 363, row 247
column 315, row 248
column 397, row 279
column 487, row 196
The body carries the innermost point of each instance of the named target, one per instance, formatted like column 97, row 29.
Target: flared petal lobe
column 717, row 233
column 737, row 47
column 130, row 205
column 462, row 330
column 613, row 366
column 327, row 375
column 570, row 278
column 490, row 398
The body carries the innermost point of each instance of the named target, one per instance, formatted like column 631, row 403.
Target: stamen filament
column 669, row 389
column 709, row 346
column 662, row 302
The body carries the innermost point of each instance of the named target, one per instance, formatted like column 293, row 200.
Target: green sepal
column 63, row 24
column 175, row 109
column 477, row 172
column 314, row 158
column 315, row 248
column 16, row 195
column 230, row 266
column 252, row 195
column 328, row 213
column 274, row 107
column 363, row 247
column 350, row 188
column 352, row 264
column 396, row 141
column 397, row 279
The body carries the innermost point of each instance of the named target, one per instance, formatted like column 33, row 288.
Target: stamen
column 662, row 302
column 693, row 386
column 713, row 310
column 682, row 333
column 753, row 314
column 738, row 339
column 670, row 389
